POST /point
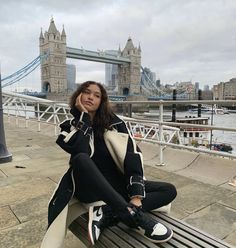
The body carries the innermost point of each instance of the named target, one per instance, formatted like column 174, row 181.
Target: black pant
column 92, row 186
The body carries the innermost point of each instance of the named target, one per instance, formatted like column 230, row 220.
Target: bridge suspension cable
column 23, row 72
column 148, row 85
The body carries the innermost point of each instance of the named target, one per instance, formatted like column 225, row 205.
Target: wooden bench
column 122, row 236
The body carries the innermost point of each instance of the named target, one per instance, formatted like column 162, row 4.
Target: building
column 206, row 87
column 225, row 91
column 230, row 90
column 197, row 87
column 71, row 77
column 207, row 95
column 111, row 73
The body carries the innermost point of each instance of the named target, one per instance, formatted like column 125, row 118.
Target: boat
column 200, row 136
column 221, row 147
column 195, row 136
column 217, row 111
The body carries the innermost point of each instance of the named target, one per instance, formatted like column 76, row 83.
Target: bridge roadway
column 205, row 200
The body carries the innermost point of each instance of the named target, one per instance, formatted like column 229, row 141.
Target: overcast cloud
column 180, row 40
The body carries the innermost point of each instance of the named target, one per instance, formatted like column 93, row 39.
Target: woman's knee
column 81, row 160
column 172, row 191
column 81, row 156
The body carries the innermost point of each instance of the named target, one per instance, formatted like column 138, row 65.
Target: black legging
column 92, row 186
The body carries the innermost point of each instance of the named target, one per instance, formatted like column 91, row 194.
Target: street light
column 5, row 156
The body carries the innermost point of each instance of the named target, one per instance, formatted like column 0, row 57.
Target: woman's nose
column 90, row 96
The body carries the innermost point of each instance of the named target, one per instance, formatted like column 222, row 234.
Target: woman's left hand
column 79, row 105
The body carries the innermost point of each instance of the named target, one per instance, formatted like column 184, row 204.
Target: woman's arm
column 133, row 166
column 75, row 133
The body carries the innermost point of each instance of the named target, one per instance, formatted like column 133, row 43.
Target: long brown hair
column 104, row 113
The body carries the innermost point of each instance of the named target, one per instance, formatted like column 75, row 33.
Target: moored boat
column 217, row 111
column 194, row 136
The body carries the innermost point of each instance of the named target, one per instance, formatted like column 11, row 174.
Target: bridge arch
column 46, row 87
column 125, row 91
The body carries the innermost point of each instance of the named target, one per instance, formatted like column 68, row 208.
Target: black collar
column 116, row 120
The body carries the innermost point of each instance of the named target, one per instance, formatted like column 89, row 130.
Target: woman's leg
column 92, row 186
column 158, row 194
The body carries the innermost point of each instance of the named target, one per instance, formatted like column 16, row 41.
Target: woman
column 106, row 173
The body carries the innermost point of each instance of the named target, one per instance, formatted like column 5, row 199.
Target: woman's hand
column 136, row 201
column 79, row 105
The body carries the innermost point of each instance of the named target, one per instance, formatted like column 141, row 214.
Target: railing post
column 54, row 119
column 38, row 117
column 160, row 132
column 26, row 122
column 16, row 113
column 8, row 113
column 130, row 110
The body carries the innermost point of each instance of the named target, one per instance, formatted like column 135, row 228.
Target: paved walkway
column 205, row 200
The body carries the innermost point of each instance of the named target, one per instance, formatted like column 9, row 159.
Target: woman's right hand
column 79, row 105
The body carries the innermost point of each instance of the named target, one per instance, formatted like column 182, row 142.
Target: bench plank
column 79, row 229
column 143, row 240
column 128, row 238
column 187, row 230
column 185, row 236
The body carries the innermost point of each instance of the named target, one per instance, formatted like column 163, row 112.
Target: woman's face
column 91, row 98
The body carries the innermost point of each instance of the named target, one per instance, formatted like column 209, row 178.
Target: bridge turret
column 63, row 34
column 129, row 75
column 41, row 38
column 52, row 27
column 53, row 69
column 139, row 48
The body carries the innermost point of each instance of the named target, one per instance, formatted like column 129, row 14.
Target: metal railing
column 158, row 132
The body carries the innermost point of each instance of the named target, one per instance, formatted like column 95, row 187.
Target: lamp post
column 5, row 156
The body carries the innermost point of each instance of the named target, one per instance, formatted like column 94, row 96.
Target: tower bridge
column 53, row 68
column 52, row 60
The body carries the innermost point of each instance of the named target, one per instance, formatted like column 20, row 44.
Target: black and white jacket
column 77, row 137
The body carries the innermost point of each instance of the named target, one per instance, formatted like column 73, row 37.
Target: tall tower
column 129, row 75
column 53, row 66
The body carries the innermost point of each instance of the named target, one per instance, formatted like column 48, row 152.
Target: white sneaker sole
column 156, row 241
column 90, row 233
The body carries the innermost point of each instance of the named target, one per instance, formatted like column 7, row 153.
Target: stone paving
column 205, row 200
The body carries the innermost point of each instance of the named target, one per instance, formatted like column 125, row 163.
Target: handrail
column 52, row 112
column 185, row 102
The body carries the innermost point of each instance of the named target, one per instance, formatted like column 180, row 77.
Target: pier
column 205, row 200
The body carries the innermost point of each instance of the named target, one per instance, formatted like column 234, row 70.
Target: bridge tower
column 129, row 75
column 53, row 67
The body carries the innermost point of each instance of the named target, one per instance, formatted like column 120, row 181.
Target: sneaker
column 100, row 217
column 150, row 228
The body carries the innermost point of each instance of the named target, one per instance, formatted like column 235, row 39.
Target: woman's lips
column 88, row 103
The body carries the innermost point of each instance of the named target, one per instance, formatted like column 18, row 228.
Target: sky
column 184, row 40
